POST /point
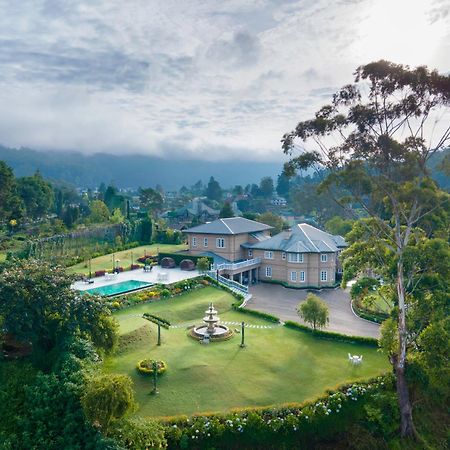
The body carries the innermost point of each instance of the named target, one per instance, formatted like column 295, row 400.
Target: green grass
column 278, row 365
column 125, row 257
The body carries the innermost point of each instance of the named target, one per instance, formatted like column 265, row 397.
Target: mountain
column 133, row 170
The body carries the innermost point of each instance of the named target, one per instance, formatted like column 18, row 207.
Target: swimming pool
column 118, row 288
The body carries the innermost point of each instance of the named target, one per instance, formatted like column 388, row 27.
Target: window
column 302, row 276
column 205, row 242
column 324, row 257
column 294, row 276
column 220, row 243
column 323, row 275
column 269, row 271
column 295, row 257
column 194, row 242
column 250, row 253
column 283, row 256
column 268, row 255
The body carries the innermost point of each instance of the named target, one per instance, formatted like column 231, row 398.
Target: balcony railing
column 241, row 288
column 238, row 265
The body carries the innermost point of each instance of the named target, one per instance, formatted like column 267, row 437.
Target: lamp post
column 242, row 335
column 155, row 377
column 159, row 334
column 90, row 267
column 113, row 262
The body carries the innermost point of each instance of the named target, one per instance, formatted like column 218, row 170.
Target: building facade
column 244, row 251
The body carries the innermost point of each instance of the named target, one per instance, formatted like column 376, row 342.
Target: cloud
column 215, row 80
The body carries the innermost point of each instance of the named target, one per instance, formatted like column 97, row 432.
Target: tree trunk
column 406, row 420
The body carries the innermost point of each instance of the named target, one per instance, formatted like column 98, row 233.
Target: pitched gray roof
column 303, row 238
column 231, row 225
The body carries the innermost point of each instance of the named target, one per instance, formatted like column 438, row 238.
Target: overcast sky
column 209, row 79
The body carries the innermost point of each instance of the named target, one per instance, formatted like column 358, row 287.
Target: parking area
column 282, row 302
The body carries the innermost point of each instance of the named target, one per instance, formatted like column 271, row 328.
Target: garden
column 289, row 364
column 124, row 258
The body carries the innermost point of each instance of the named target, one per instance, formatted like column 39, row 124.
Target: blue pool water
column 118, row 288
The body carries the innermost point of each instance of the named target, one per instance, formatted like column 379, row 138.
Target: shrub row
column 302, row 287
column 333, row 336
column 373, row 316
column 255, row 313
column 178, row 257
column 295, row 425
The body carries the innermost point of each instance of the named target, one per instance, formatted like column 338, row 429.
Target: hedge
column 294, row 425
column 301, row 288
column 376, row 317
column 333, row 336
column 255, row 313
column 178, row 257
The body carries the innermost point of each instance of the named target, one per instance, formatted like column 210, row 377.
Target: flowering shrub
column 135, row 266
column 145, row 366
column 99, row 273
column 297, row 425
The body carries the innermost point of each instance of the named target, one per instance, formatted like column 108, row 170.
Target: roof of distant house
column 231, row 225
column 303, row 238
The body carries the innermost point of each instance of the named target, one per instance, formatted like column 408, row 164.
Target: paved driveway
column 282, row 302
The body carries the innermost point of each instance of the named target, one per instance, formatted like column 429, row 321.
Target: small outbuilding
column 187, row 264
column 167, row 263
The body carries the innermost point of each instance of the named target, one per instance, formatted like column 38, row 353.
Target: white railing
column 229, row 283
column 238, row 265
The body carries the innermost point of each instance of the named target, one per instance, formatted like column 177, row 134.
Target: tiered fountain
column 211, row 329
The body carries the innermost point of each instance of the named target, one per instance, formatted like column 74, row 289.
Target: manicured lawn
column 278, row 365
column 125, row 257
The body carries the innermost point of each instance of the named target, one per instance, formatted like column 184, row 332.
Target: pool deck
column 173, row 275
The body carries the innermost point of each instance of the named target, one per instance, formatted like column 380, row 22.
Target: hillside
column 133, row 170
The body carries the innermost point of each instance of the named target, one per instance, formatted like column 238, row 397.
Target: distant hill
column 133, row 170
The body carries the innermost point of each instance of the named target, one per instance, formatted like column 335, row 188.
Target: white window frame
column 283, row 256
column 323, row 257
column 250, row 253
column 302, row 276
column 298, row 258
column 322, row 277
column 268, row 271
column 294, row 276
column 194, row 241
column 220, row 243
column 268, row 254
column 205, row 242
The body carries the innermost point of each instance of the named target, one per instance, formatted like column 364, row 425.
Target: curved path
column 282, row 302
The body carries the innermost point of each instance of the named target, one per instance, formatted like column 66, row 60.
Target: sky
column 200, row 79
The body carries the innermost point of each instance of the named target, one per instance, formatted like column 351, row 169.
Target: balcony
column 249, row 263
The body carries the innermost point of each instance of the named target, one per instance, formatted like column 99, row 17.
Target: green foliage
column 99, row 212
column 283, row 426
column 226, row 211
column 178, row 257
column 151, row 200
column 213, row 190
column 108, row 398
column 273, row 220
column 203, row 264
column 332, row 336
column 314, row 311
column 139, row 434
column 11, row 205
column 266, row 187
column 260, row 314
column 37, row 195
column 38, row 306
column 338, row 226
column 117, row 216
